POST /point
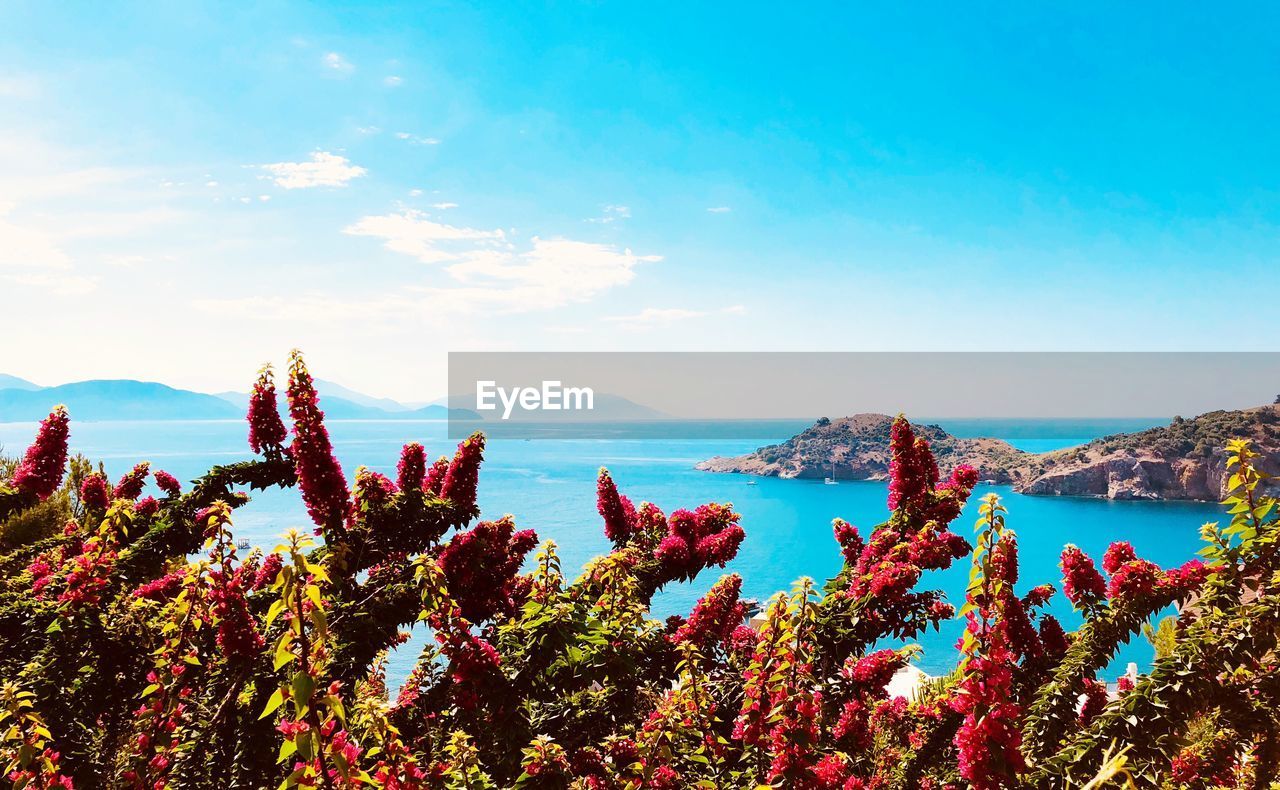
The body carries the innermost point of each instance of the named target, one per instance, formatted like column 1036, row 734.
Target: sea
column 548, row 485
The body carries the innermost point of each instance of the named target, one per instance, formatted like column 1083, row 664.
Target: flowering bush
column 139, row 650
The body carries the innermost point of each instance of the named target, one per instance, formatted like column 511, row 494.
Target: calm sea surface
column 549, row 486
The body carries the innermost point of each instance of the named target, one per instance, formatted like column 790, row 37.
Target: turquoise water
column 549, row 486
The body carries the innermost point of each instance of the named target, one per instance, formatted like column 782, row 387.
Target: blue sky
column 187, row 191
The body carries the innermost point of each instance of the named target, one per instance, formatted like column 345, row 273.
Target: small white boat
column 751, row 482
column 831, row 481
column 243, row 543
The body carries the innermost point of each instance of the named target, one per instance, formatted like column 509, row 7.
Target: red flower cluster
column 1038, row 595
column 913, row 479
column 1211, row 764
column 716, row 616
column 147, row 507
column 616, row 509
column 373, row 490
column 266, row 429
column 871, row 673
column 545, row 760
column 481, row 567
column 1135, row 583
column 94, row 492
column 130, row 486
column 162, row 588
column 267, row 572
column 695, row 540
column 473, row 662
column 39, row 473
column 1081, row 582
column 1004, row 560
column 167, row 483
column 1141, row 583
column 1118, row 554
column 463, row 475
column 324, row 487
column 1095, row 699
column 1053, row 639
column 882, row 572
column 435, row 475
column 891, row 563
column 88, row 576
column 412, row 469
column 238, row 635
column 1187, row 578
column 793, row 739
column 850, row 541
column 912, row 470
column 989, row 740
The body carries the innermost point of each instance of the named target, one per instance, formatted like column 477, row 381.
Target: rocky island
column 1183, row 460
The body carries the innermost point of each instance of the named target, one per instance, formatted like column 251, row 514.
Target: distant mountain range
column 8, row 382
column 126, row 399
column 103, row 400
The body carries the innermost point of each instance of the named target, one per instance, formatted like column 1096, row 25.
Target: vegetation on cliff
column 1183, row 460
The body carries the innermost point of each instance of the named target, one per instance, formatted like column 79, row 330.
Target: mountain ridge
column 106, row 400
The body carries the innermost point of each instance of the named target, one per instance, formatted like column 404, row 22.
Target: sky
column 188, row 191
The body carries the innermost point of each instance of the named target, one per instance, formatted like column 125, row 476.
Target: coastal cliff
column 1183, row 460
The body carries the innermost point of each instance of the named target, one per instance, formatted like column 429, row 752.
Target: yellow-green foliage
column 51, row 515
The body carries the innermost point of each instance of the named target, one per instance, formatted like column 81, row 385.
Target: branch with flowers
column 130, row 664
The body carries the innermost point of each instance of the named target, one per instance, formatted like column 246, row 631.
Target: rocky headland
column 1184, row 460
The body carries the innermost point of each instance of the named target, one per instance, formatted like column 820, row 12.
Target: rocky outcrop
column 857, row 448
column 1184, row 460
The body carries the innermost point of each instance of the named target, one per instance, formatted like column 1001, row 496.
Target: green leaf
column 276, row 700
column 283, row 654
column 303, row 686
column 276, row 608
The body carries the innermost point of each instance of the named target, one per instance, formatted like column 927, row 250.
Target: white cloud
column 490, row 271
column 412, row 233
column 337, row 64
column 654, row 317
column 367, row 130
column 417, row 140
column 324, row 170
column 443, row 206
column 392, row 81
column 612, row 214
column 719, row 210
